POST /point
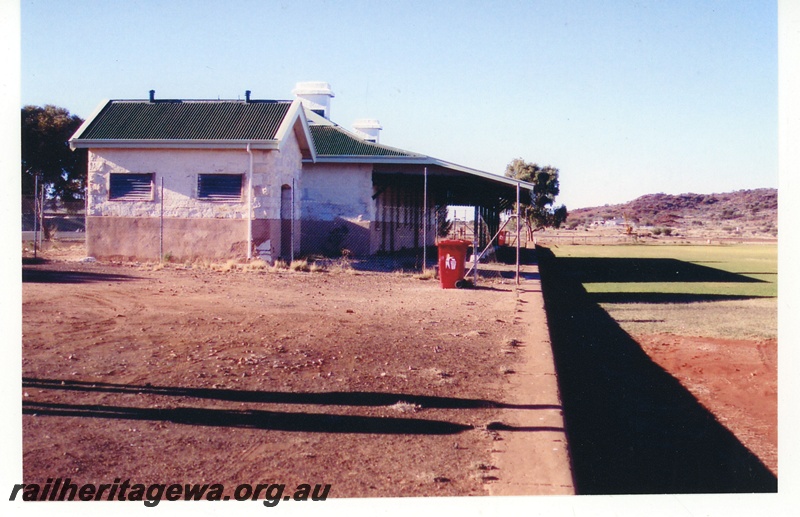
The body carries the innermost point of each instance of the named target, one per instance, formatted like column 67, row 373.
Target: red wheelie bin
column 452, row 258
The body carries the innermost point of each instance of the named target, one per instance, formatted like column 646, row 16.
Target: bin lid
column 454, row 242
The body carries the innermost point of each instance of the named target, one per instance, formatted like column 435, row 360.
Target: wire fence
column 406, row 240
column 577, row 238
column 399, row 238
column 47, row 219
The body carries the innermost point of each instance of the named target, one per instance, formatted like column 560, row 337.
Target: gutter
column 424, row 160
column 395, row 160
column 100, row 143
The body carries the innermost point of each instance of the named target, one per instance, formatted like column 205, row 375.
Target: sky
column 625, row 98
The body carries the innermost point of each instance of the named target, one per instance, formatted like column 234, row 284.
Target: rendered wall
column 138, row 238
column 337, row 208
column 192, row 227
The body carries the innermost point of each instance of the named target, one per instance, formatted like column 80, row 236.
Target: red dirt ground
column 737, row 380
column 380, row 384
column 188, row 375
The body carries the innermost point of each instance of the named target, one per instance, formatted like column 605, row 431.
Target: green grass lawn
column 713, row 291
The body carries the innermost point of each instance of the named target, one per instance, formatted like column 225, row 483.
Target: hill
column 743, row 213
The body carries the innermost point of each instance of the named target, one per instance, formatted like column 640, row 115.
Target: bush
column 279, row 264
column 257, row 265
column 299, row 265
column 730, row 213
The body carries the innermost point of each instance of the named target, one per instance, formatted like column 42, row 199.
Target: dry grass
column 342, row 265
column 299, row 265
column 756, row 318
column 405, row 407
column 304, row 266
column 230, row 265
column 427, row 274
column 279, row 265
column 257, row 265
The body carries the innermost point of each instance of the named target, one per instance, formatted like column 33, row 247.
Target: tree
column 443, row 225
column 539, row 213
column 46, row 153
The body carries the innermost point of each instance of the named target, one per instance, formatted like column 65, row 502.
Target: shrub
column 427, row 274
column 299, row 265
column 257, row 265
column 279, row 265
column 230, row 265
column 730, row 213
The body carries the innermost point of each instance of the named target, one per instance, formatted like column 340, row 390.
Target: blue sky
column 625, row 97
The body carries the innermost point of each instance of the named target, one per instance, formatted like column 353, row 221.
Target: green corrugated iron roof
column 187, row 120
column 334, row 141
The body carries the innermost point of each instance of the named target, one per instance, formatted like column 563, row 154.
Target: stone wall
column 337, row 208
column 192, row 227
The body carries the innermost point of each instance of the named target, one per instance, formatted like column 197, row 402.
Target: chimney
column 152, row 95
column 316, row 96
column 368, row 129
column 247, row 96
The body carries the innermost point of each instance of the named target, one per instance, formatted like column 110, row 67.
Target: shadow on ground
column 252, row 418
column 633, row 428
column 272, row 420
column 591, row 270
column 68, row 276
column 327, row 398
column 606, row 297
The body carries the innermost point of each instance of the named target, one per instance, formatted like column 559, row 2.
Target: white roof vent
column 368, row 129
column 316, row 96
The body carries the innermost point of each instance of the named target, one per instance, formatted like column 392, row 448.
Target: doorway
column 286, row 222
